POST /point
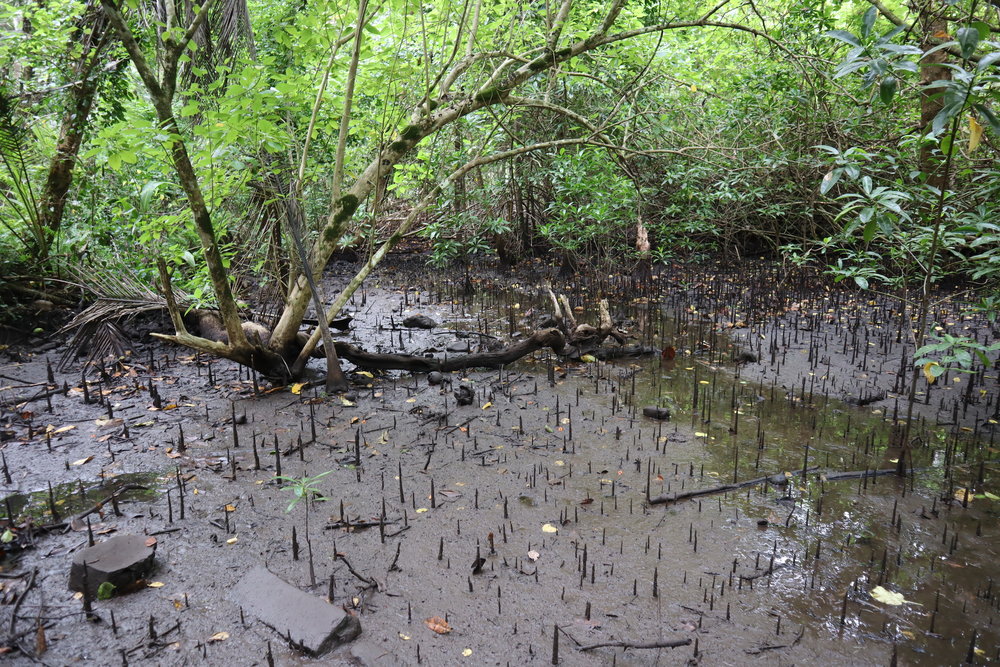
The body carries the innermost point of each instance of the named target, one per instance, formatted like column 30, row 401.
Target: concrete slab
column 122, row 560
column 314, row 625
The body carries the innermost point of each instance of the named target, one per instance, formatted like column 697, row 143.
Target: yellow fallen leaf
column 232, row 540
column 467, row 652
column 588, row 358
column 884, row 596
column 549, row 528
column 928, row 372
column 963, row 495
column 80, row 462
column 404, row 637
column 366, row 374
column 297, row 387
column 421, row 510
column 700, row 434
column 63, row 429
column 346, row 403
column 156, row 584
column 487, row 404
column 219, row 637
column 230, row 508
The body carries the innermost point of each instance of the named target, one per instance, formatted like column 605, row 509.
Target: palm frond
column 120, row 295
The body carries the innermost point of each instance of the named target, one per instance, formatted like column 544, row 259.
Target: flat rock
column 459, row 346
column 313, row 625
column 122, row 560
column 419, row 322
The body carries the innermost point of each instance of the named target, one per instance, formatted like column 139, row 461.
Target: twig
column 20, row 601
column 663, row 643
column 361, row 577
column 773, row 647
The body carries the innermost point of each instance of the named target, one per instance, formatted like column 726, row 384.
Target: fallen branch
column 551, row 338
column 829, row 477
column 686, row 495
column 664, row 643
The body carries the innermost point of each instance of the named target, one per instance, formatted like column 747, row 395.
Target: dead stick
column 663, row 643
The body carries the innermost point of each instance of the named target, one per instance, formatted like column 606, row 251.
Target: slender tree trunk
column 931, row 100
column 52, row 203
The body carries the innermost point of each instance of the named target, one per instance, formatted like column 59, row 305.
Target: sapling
column 305, row 488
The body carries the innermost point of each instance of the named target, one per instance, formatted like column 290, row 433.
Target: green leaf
column 7, row 537
column 987, row 60
column 968, row 39
column 868, row 21
column 861, row 282
column 105, row 591
column 843, row 36
column 830, row 180
column 887, row 89
column 989, row 116
column 869, row 234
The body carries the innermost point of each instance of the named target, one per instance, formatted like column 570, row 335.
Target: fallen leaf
column 365, row 373
column 467, row 652
column 533, row 555
column 404, row 637
column 700, row 434
column 346, row 403
column 296, row 388
column 219, row 637
column 150, row 541
column 549, row 528
column 588, row 358
column 230, row 508
column 487, row 404
column 156, row 584
column 438, row 625
column 963, row 495
column 232, row 540
column 880, row 594
column 63, row 429
column 80, row 462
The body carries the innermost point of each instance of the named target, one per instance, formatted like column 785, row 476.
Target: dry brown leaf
column 438, row 625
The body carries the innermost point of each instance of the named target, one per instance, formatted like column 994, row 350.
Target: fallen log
column 723, row 488
column 550, row 338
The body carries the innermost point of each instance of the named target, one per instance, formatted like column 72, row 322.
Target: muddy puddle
column 523, row 521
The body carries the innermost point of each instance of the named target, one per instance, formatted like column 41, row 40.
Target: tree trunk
column 931, row 100
column 52, row 203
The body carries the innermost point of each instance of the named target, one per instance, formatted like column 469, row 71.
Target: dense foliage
column 860, row 134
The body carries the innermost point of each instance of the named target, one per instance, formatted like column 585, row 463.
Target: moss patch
column 491, row 95
column 348, row 205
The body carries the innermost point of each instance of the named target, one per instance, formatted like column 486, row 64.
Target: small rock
column 464, row 394
column 778, row 480
column 314, row 625
column 746, row 357
column 435, row 378
column 122, row 560
column 656, row 413
column 459, row 346
column 419, row 322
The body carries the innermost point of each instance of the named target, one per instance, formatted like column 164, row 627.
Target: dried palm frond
column 119, row 295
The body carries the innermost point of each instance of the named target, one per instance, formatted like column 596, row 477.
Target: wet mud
column 517, row 529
